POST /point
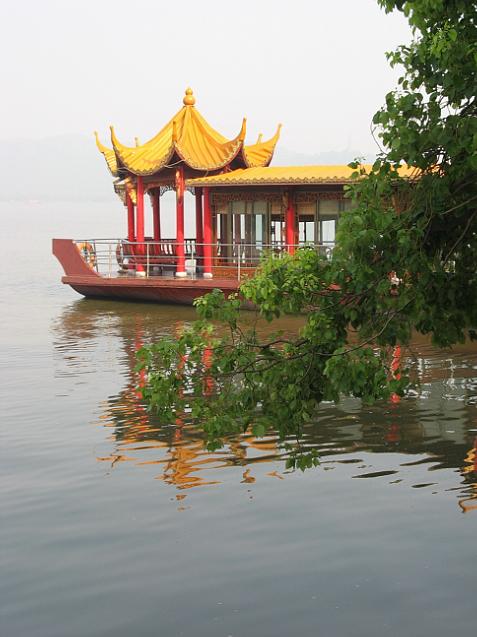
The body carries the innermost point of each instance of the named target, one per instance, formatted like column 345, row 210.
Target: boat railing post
column 110, row 265
column 147, row 259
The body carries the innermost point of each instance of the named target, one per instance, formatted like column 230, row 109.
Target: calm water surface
column 114, row 523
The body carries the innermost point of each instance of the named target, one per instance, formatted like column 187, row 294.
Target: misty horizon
column 318, row 69
column 70, row 168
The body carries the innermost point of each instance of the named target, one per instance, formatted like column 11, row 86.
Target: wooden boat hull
column 83, row 278
column 160, row 291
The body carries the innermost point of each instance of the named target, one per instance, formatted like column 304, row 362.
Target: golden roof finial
column 136, row 141
column 189, row 99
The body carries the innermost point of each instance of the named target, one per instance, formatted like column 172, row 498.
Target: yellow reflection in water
column 470, row 467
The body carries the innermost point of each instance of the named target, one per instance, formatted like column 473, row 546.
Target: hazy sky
column 73, row 66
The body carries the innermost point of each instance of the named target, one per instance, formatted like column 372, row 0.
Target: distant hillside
column 69, row 168
column 66, row 168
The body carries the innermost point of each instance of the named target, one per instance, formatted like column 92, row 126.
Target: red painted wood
column 72, row 262
column 395, row 370
column 140, row 219
column 207, row 233
column 176, row 291
column 131, row 224
column 199, row 230
column 180, row 186
column 156, row 215
column 290, row 224
column 85, row 280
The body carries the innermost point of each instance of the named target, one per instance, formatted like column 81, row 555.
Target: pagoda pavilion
column 187, row 147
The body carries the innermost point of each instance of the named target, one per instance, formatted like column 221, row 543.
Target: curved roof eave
column 261, row 154
column 109, row 155
column 148, row 158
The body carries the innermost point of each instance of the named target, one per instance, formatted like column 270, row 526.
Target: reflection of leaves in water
column 419, row 428
column 339, row 438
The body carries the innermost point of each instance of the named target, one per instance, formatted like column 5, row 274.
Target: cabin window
column 277, row 231
column 328, row 214
column 306, row 230
column 328, row 230
column 306, row 222
column 277, row 224
column 244, row 231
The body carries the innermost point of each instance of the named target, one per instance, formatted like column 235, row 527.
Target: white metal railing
column 120, row 257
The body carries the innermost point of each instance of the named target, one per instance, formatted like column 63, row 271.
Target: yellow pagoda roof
column 261, row 153
column 286, row 176
column 188, row 136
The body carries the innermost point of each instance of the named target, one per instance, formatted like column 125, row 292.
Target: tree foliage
column 406, row 260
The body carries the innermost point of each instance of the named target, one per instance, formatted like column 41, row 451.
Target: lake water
column 116, row 524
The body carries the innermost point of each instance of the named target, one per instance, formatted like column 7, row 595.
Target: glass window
column 328, row 230
column 306, row 230
column 259, row 229
column 277, row 232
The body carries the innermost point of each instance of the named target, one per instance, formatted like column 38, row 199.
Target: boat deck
column 119, row 269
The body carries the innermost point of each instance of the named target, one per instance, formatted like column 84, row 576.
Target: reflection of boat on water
column 470, row 469
column 435, row 432
column 178, row 448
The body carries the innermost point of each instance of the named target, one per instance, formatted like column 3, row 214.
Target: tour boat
column 244, row 209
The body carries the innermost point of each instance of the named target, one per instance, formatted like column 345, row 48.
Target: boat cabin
column 244, row 208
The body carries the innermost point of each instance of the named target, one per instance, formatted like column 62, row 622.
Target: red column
column 180, row 251
column 290, row 224
column 207, row 235
column 131, row 224
column 140, row 224
column 199, row 233
column 207, row 362
column 156, row 215
column 395, row 370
